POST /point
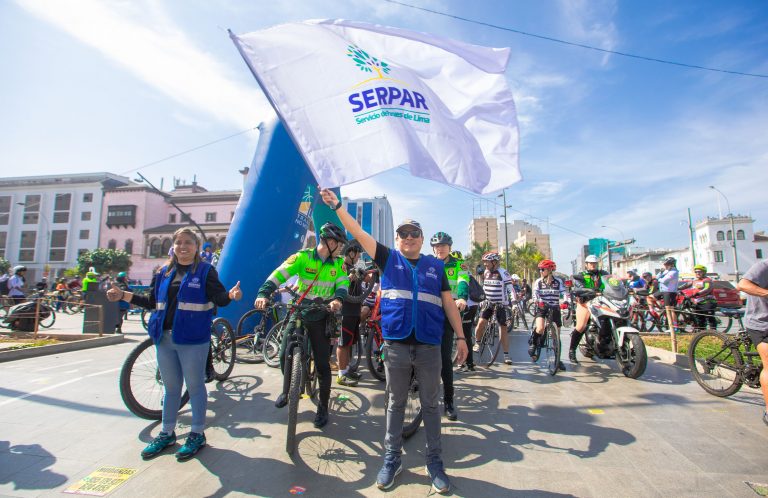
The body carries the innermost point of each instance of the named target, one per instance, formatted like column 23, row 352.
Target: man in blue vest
column 415, row 301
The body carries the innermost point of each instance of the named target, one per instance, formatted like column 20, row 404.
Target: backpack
column 476, row 290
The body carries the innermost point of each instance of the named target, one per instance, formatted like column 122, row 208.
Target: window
column 3, row 240
column 172, row 218
column 61, row 206
column 85, row 234
column 758, row 252
column 185, row 218
column 739, row 234
column 112, row 244
column 210, row 216
column 85, row 216
column 166, row 247
column 154, row 248
column 5, row 209
column 27, row 246
column 58, row 245
column 31, row 210
column 88, row 197
column 129, row 246
column 720, row 235
column 729, row 235
column 719, row 257
column 124, row 215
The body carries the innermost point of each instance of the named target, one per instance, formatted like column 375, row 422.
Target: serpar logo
column 431, row 272
column 384, row 100
column 194, row 283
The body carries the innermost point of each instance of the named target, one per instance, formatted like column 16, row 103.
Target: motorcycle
column 608, row 334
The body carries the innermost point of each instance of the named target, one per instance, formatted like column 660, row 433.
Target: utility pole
column 733, row 233
column 506, row 228
column 690, row 231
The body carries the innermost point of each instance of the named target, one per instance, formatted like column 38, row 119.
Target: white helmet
column 590, row 259
column 515, row 276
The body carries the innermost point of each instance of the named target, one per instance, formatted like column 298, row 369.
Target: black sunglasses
column 414, row 234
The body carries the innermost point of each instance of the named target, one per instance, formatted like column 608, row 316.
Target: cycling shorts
column 758, row 336
column 501, row 315
column 350, row 330
column 557, row 318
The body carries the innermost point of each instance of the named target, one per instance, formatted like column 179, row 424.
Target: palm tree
column 524, row 260
column 475, row 257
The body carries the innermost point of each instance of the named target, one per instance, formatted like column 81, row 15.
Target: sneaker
column 561, row 366
column 354, row 375
column 462, row 369
column 440, row 482
column 281, row 400
column 161, row 442
column 476, row 348
column 346, row 380
column 321, row 418
column 195, row 443
column 450, row 412
column 507, row 359
column 572, row 356
column 386, row 477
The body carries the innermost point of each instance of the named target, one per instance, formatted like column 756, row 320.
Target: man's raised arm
column 364, row 238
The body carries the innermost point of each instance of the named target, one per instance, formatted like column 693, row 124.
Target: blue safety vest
column 194, row 312
column 411, row 299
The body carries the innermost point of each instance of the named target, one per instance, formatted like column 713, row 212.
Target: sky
column 606, row 140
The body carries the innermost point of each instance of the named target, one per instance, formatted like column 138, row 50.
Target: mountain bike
column 141, row 385
column 549, row 343
column 252, row 329
column 727, row 316
column 516, row 316
column 489, row 344
column 722, row 363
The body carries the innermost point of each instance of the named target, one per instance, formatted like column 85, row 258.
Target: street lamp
column 623, row 238
column 733, row 232
column 503, row 194
column 142, row 178
column 47, row 232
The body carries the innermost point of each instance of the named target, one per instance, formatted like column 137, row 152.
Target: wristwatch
column 337, row 206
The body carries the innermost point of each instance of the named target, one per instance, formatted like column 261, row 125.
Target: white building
column 484, row 229
column 714, row 249
column 46, row 222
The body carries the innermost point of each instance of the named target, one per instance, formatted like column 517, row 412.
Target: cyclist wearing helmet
column 634, row 281
column 458, row 279
column 16, row 284
column 496, row 286
column 321, row 275
column 704, row 302
column 547, row 291
column 350, row 313
column 668, row 281
column 591, row 278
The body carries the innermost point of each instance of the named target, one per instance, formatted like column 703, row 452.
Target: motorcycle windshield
column 614, row 287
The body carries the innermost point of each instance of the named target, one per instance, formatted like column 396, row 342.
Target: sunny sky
column 605, row 139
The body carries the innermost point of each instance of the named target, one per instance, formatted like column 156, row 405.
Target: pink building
column 141, row 221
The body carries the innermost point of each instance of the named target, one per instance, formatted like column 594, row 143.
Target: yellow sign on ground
column 101, row 482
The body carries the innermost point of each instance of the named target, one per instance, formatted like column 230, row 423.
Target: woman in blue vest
column 183, row 295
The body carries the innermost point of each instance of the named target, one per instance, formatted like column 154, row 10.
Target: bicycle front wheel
column 551, row 349
column 223, row 348
column 141, row 386
column 490, row 344
column 715, row 363
column 271, row 346
column 294, row 394
column 373, row 355
column 49, row 320
column 250, row 328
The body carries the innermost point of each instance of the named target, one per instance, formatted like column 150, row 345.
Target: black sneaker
column 281, row 400
column 450, row 412
column 572, row 356
column 321, row 418
column 561, row 366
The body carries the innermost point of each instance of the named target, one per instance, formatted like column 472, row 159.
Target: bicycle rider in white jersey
column 496, row 285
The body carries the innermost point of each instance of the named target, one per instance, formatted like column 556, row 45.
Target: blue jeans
column 180, row 364
column 425, row 360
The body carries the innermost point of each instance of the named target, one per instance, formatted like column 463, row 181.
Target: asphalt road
column 586, row 432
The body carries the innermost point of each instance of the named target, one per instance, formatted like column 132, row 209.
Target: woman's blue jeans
column 180, row 364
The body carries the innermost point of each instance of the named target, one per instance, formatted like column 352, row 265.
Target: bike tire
column 271, row 346
column 223, row 348
column 145, row 319
column 413, row 415
column 355, row 353
column 715, row 364
column 638, row 357
column 552, row 346
column 373, row 356
column 294, row 395
column 141, row 386
column 47, row 323
column 724, row 323
column 312, row 387
column 490, row 344
column 249, row 348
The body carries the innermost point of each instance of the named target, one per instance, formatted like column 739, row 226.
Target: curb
column 667, row 357
column 19, row 354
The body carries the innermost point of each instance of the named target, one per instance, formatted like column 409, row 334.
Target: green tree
column 475, row 257
column 5, row 265
column 104, row 261
column 524, row 261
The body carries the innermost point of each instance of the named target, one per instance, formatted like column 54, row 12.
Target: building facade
column 536, row 238
column 374, row 214
column 713, row 245
column 46, row 222
column 484, row 229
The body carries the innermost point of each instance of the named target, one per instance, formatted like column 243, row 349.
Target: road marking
column 62, row 365
column 596, row 411
column 56, row 386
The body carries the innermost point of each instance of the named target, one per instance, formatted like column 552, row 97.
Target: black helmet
column 441, row 238
column 670, row 261
column 352, row 245
column 331, row 231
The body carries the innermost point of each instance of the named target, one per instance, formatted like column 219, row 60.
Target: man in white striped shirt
column 497, row 285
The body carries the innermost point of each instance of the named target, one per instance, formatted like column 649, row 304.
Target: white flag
column 359, row 99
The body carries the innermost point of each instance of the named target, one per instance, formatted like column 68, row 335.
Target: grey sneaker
column 440, row 482
column 386, row 477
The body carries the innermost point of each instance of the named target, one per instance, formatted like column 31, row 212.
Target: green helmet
column 700, row 267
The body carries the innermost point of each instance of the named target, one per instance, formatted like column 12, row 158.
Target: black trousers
column 467, row 319
column 446, row 372
column 321, row 351
column 705, row 312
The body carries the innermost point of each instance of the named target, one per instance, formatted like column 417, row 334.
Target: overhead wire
column 581, row 45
